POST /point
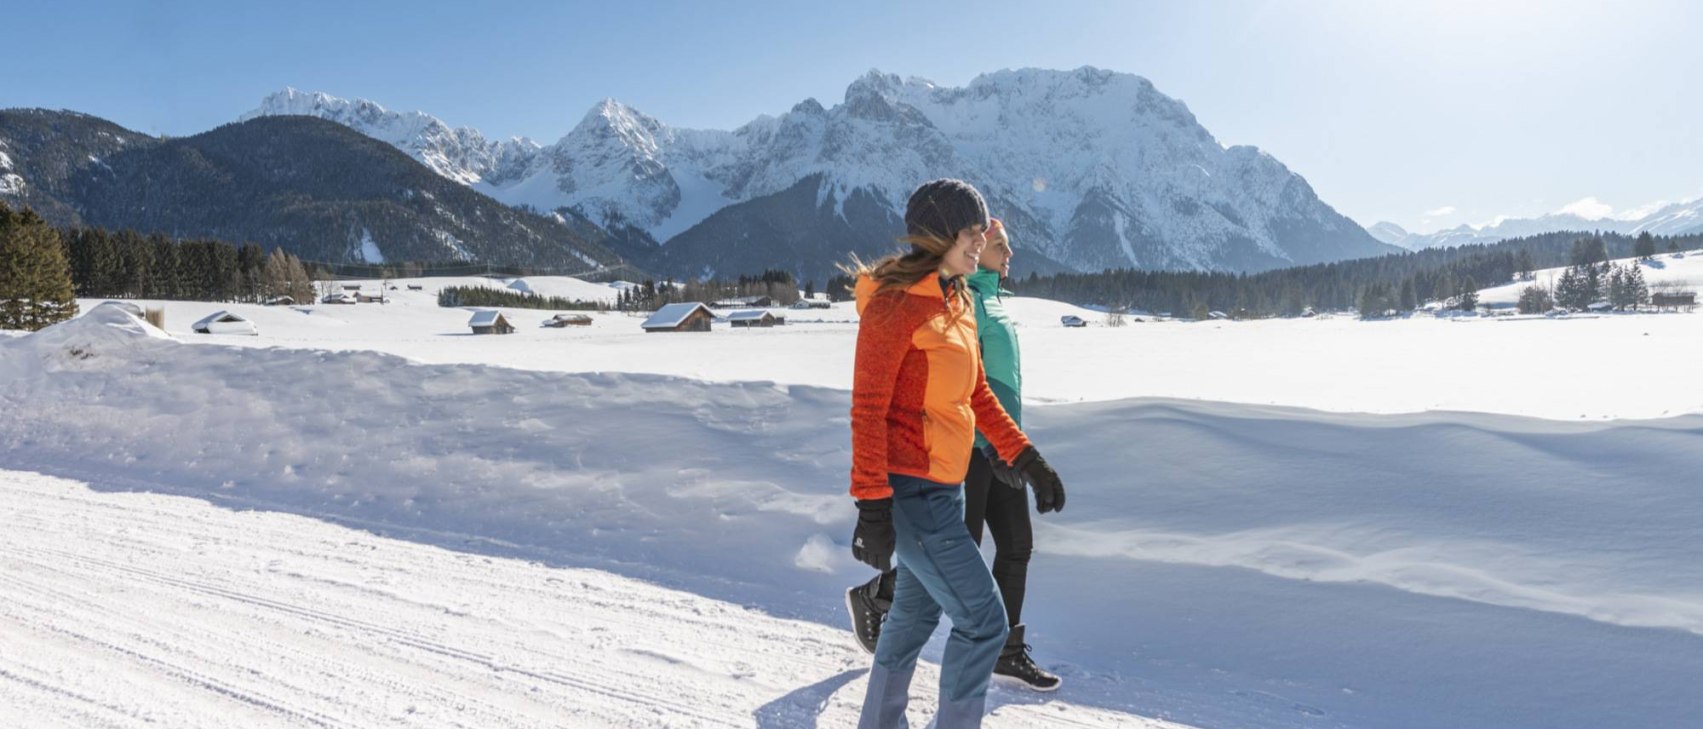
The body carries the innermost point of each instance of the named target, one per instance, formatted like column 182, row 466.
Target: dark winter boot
column 868, row 607
column 1014, row 664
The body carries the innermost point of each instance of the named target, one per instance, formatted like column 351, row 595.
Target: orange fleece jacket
column 918, row 391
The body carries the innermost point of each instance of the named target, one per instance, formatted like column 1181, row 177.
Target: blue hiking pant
column 940, row 570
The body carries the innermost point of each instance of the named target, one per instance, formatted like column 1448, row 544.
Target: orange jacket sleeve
column 992, row 421
column 882, row 341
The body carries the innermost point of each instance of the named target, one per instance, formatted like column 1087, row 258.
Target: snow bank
column 1220, row 564
column 84, row 343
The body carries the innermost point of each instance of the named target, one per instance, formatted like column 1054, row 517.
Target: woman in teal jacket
column 993, row 494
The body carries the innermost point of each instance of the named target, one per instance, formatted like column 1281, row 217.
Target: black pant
column 1005, row 510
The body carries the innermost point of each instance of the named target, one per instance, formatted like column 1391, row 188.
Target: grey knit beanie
column 941, row 208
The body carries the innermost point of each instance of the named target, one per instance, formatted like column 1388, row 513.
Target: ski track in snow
column 128, row 610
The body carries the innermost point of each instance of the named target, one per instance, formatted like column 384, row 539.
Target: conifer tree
column 1645, row 247
column 300, row 283
column 1443, row 288
column 35, row 279
column 1637, row 290
column 1467, row 299
column 1573, row 291
column 1535, row 299
column 1616, row 287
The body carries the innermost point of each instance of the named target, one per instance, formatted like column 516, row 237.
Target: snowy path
column 128, row 609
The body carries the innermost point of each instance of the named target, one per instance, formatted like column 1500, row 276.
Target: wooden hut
column 568, row 320
column 490, row 322
column 691, row 316
column 1674, row 299
column 752, row 318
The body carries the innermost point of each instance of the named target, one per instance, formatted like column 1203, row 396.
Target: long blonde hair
column 900, row 271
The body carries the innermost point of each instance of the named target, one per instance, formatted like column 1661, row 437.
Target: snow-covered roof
column 218, row 316
column 484, row 318
column 748, row 315
column 672, row 314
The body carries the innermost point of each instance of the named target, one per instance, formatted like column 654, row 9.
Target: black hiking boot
column 1014, row 664
column 867, row 611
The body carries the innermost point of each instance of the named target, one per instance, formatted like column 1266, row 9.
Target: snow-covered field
column 391, row 522
column 1335, row 363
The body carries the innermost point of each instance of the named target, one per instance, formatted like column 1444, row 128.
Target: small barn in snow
column 691, row 316
column 224, row 322
column 490, row 322
column 566, row 320
column 753, row 318
column 1674, row 300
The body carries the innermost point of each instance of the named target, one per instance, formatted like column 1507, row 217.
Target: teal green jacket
column 1000, row 357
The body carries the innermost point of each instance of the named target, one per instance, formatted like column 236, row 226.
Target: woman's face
column 996, row 255
column 965, row 252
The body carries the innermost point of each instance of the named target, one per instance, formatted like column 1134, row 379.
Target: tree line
column 1397, row 282
column 1592, row 279
column 126, row 264
column 650, row 295
column 454, row 296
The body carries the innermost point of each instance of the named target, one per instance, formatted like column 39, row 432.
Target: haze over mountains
column 1681, row 218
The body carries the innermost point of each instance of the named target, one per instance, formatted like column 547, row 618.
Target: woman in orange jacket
column 918, row 397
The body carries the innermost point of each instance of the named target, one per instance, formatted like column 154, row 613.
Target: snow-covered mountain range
column 1679, row 218
column 1091, row 168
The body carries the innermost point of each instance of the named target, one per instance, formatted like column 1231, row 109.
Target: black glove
column 872, row 540
column 1049, row 491
column 1002, row 472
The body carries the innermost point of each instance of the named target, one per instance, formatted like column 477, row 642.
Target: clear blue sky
column 1426, row 113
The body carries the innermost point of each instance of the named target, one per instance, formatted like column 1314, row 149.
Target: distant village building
column 753, row 318
column 566, row 320
column 368, row 298
column 490, row 322
column 224, row 322
column 343, row 298
column 690, row 316
column 812, row 304
column 1674, row 300
column 281, row 301
column 743, row 302
column 1072, row 320
column 416, row 287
